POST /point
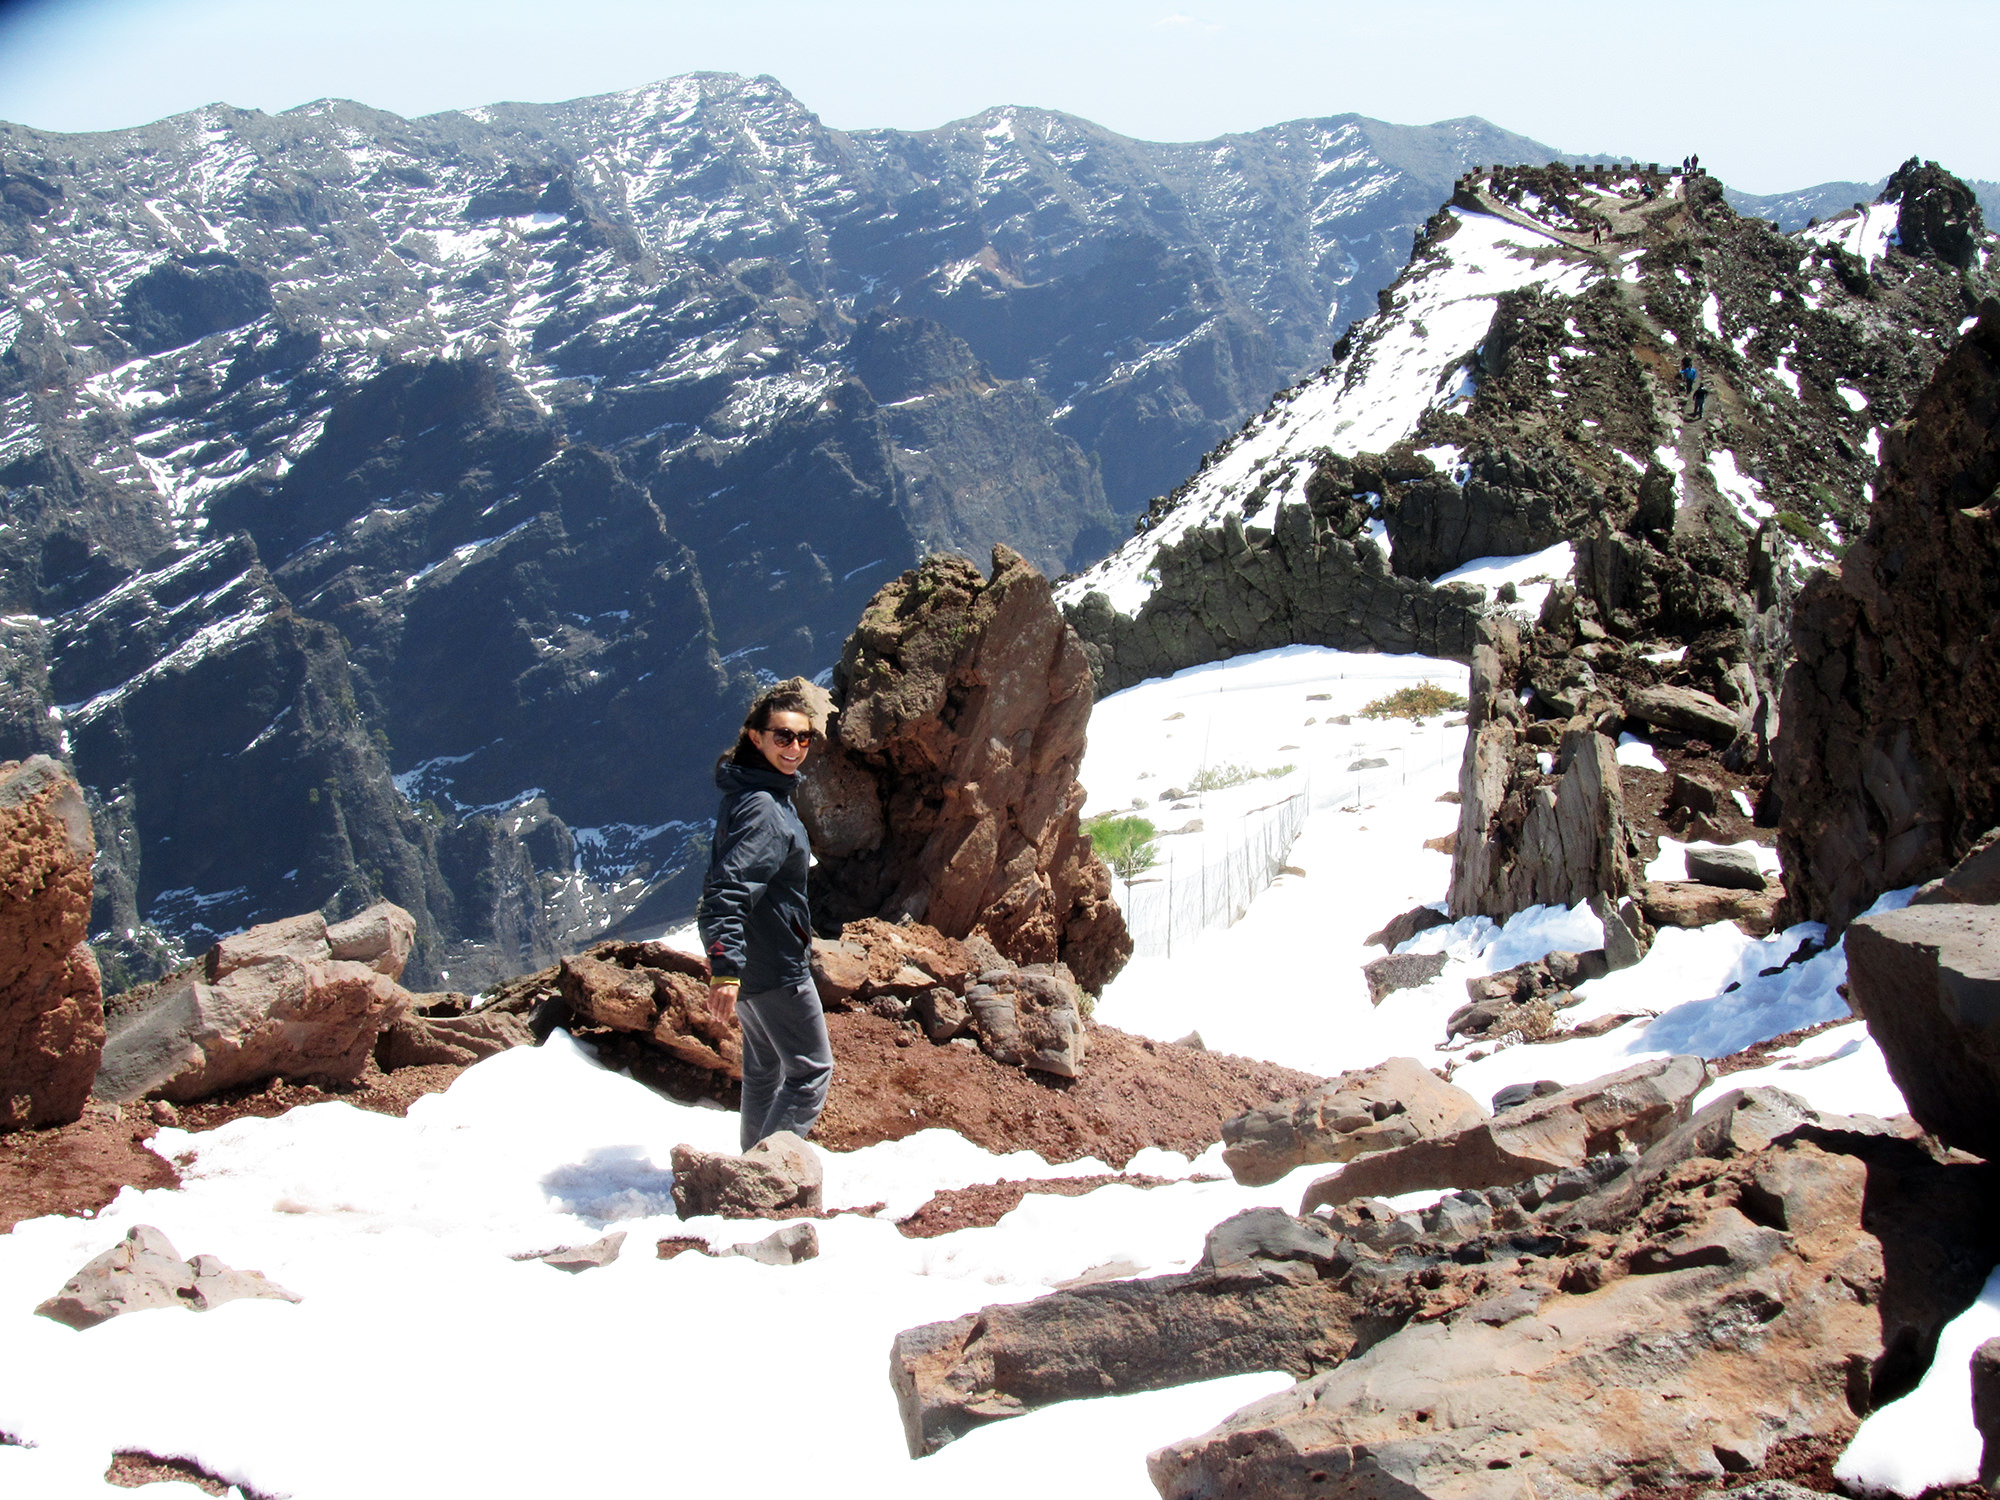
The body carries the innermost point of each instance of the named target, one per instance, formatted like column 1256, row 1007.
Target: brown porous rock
column 51, row 1000
column 947, row 793
column 1888, row 754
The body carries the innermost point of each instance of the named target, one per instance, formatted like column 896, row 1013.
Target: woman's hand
column 722, row 1000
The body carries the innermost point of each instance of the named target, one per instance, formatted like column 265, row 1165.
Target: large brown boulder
column 51, row 1002
column 947, row 793
column 1372, row 1109
column 1888, row 758
column 1927, row 981
column 269, row 1002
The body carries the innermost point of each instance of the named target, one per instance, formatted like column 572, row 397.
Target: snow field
column 691, row 1375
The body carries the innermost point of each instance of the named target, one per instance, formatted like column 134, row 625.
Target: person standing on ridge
column 755, row 925
column 1689, row 375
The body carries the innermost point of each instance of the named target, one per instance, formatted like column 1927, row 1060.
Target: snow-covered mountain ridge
column 1520, row 388
column 506, row 445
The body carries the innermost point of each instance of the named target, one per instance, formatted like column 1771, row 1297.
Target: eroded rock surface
column 1759, row 1273
column 51, row 1005
column 1372, row 1109
column 1886, row 764
column 268, row 1002
column 947, row 792
column 1633, row 1107
column 1927, row 981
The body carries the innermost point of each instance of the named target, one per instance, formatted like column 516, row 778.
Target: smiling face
column 785, row 758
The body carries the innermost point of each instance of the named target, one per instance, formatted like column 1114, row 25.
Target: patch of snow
column 1854, row 399
column 1633, row 751
column 1711, row 314
column 1743, row 493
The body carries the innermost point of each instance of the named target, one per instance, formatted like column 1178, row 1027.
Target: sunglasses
column 786, row 738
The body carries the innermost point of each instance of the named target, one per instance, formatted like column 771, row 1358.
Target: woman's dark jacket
column 755, row 926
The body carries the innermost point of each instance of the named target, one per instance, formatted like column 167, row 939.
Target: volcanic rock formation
column 51, row 1010
column 947, row 793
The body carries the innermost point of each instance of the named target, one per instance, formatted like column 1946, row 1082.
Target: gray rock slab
column 1724, row 865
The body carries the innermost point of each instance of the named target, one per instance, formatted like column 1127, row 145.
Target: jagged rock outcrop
column 1888, row 759
column 947, row 790
column 1927, row 981
column 1761, row 1273
column 1309, row 578
column 51, row 1008
column 292, row 999
column 1371, row 1109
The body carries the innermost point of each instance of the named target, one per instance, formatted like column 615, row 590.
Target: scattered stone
column 51, row 1000
column 575, row 1258
column 163, row 1113
column 1369, row 763
column 1192, row 1040
column 1724, row 865
column 778, row 1178
column 782, row 1247
column 1389, row 1105
column 1685, row 710
column 942, row 1014
column 1927, row 981
column 1634, row 1107
column 144, row 1270
column 1694, row 794
column 1401, row 929
column 1514, row 1095
column 1401, row 971
column 1687, row 903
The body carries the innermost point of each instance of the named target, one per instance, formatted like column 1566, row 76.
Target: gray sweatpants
column 787, row 1061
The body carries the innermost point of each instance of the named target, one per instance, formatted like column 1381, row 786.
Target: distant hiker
column 1597, row 234
column 1694, row 162
column 755, row 925
column 1700, row 399
column 1689, row 375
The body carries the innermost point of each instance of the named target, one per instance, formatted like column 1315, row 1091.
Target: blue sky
column 1774, row 94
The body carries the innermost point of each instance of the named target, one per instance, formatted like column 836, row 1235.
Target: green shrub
column 1424, row 701
column 1124, row 842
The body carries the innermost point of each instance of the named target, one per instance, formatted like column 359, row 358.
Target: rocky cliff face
column 1518, row 397
column 493, row 451
column 1888, row 759
column 51, row 1006
column 947, row 793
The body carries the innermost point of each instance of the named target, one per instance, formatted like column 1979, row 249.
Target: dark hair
column 782, row 699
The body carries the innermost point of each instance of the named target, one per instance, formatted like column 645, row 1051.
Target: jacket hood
column 734, row 778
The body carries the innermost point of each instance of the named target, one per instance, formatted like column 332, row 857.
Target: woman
column 754, row 922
